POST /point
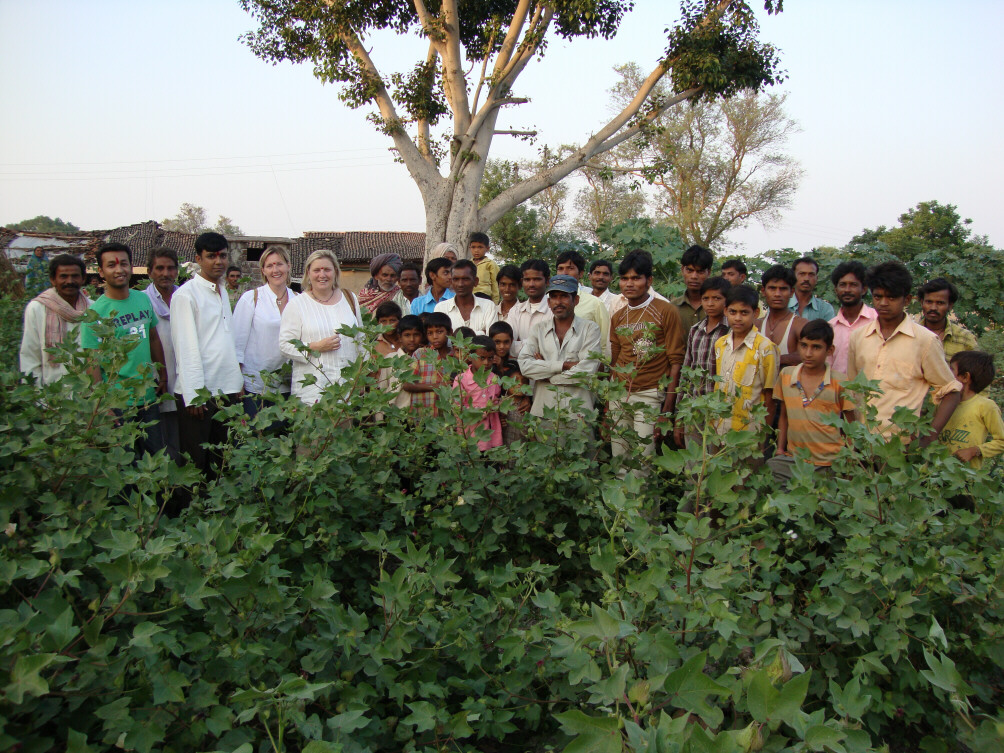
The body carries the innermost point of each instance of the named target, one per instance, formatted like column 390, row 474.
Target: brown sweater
column 649, row 337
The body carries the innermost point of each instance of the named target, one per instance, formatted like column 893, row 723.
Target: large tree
column 929, row 226
column 44, row 224
column 194, row 219
column 713, row 50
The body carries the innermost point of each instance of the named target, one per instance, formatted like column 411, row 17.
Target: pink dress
column 474, row 395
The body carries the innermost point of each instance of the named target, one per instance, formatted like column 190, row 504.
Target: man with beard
column 382, row 285
column 849, row 283
column 937, row 299
column 804, row 302
column 164, row 281
column 51, row 317
column 410, row 281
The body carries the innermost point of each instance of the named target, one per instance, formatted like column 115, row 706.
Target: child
column 430, row 366
column 806, row 392
column 479, row 388
column 507, row 366
column 701, row 342
column 487, row 269
column 977, row 417
column 780, row 324
column 388, row 314
column 509, row 282
column 746, row 360
column 407, row 338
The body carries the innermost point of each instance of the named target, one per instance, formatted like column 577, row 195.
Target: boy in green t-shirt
column 134, row 317
column 977, row 417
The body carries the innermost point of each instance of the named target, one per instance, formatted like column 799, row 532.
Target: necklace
column 326, row 300
column 771, row 329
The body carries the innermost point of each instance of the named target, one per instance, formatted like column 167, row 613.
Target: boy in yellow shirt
column 977, row 417
column 488, row 270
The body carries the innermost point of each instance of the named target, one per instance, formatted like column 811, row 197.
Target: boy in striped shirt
column 806, row 392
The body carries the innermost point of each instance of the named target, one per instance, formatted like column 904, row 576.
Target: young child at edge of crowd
column 487, row 269
column 701, row 344
column 507, row 366
column 977, row 416
column 806, row 392
column 430, row 369
column 746, row 360
column 480, row 388
column 387, row 314
column 407, row 338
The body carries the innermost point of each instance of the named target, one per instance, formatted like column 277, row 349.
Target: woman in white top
column 314, row 319
column 256, row 328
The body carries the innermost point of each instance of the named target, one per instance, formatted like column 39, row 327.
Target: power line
column 187, row 159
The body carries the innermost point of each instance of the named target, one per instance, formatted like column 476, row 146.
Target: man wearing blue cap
column 560, row 351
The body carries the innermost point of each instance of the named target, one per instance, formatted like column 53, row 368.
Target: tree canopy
column 193, row 219
column 930, row 226
column 45, row 224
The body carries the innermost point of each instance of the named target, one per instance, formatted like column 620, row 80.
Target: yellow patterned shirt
column 747, row 370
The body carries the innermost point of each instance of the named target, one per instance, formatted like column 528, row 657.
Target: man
column 134, row 316
column 647, row 349
column 558, row 351
column 466, row 309
column 410, row 281
column 735, row 271
column 849, row 284
column 164, row 278
column 590, row 307
column 779, row 324
column 437, row 276
column 601, row 274
column 205, row 353
column 695, row 266
column 525, row 315
column 937, row 299
column 37, row 272
column 804, row 302
column 51, row 317
column 234, row 287
column 905, row 358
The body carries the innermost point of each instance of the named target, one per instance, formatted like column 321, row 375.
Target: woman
column 256, row 329
column 382, row 285
column 314, row 319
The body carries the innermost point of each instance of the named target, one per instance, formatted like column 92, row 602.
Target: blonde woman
column 314, row 319
column 256, row 327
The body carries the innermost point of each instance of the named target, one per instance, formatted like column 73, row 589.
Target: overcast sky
column 117, row 112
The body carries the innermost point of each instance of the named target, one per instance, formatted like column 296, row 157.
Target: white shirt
column 483, row 315
column 256, row 335
column 523, row 317
column 608, row 299
column 308, row 321
column 163, row 312
column 203, row 338
column 34, row 359
column 619, row 302
column 553, row 386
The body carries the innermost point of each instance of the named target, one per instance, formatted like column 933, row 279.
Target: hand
column 568, row 364
column 538, row 356
column 162, row 384
column 678, row 437
column 334, row 342
column 782, row 454
column 196, row 411
column 967, row 453
column 926, row 440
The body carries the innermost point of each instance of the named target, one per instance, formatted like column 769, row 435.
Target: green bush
column 358, row 585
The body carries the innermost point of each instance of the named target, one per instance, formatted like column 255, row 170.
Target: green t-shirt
column 133, row 317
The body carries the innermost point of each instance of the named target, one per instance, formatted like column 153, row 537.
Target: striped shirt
column 751, row 368
column 806, row 431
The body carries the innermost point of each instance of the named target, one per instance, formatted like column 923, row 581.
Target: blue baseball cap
column 564, row 284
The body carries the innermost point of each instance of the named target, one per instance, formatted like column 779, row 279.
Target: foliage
column 928, row 227
column 363, row 585
column 44, row 224
column 608, row 198
column 193, row 219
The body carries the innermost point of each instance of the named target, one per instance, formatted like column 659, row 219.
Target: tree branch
column 514, row 133
column 454, row 78
column 511, row 37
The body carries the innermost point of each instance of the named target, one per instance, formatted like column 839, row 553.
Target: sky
column 116, row 112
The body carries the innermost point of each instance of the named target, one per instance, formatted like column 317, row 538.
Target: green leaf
column 25, row 678
column 824, row 738
column 791, row 697
column 349, row 721
column 761, row 696
column 593, row 734
column 690, row 688
column 422, row 716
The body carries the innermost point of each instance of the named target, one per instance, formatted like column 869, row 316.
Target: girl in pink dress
column 480, row 388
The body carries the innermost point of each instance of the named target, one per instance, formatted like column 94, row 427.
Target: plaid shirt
column 956, row 339
column 701, row 355
column 429, row 369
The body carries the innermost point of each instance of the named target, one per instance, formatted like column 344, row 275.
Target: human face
column 693, row 277
column 478, row 250
column 850, row 290
column 503, row 344
column 233, row 278
column 562, row 304
column 164, row 273
column 569, row 268
column 388, row 322
column 410, row 340
column 442, row 278
column 889, row 308
column 806, row 276
column 734, row 276
column 814, row 353
column 713, row 303
column 437, row 337
column 634, row 286
column 451, row 256
column 508, row 289
column 777, row 293
column 936, row 308
column 212, row 264
column 534, row 284
column 741, row 318
column 600, row 278
column 409, row 281
column 386, row 278
column 322, row 277
column 276, row 271
column 67, row 282
column 116, row 269
column 463, row 282
column 481, row 358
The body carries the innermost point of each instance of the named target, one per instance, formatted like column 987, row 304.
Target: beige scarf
column 59, row 315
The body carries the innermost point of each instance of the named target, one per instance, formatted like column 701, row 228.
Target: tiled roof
column 358, row 248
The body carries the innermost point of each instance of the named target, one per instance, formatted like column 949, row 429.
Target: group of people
column 780, row 346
